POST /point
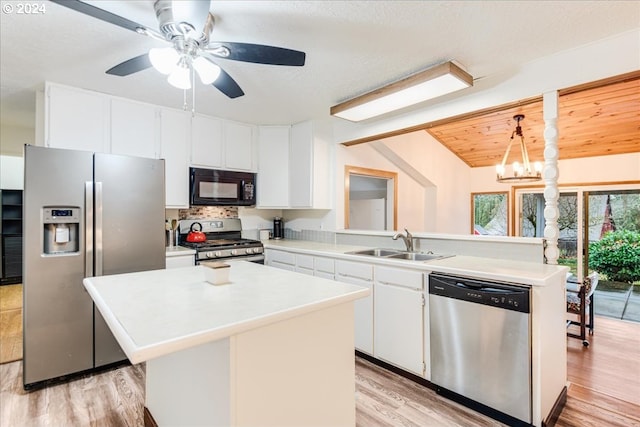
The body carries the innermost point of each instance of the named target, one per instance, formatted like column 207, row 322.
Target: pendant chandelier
column 522, row 171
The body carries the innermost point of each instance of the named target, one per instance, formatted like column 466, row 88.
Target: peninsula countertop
column 154, row 313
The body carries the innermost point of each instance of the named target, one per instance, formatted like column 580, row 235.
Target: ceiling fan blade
column 101, row 14
column 131, row 66
column 258, row 53
column 225, row 84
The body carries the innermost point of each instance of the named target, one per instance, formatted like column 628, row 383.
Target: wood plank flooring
column 10, row 323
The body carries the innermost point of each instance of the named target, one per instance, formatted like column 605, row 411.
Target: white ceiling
column 352, row 47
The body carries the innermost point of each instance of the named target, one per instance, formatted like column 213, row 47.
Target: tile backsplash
column 202, row 212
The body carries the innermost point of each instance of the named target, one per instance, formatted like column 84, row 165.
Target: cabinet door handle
column 354, row 277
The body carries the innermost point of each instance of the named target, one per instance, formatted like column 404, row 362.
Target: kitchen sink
column 397, row 254
column 377, row 252
column 416, row 256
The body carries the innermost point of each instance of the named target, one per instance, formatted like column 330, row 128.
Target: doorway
column 370, row 199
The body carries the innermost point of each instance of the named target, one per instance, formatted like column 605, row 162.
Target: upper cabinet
column 222, row 144
column 134, row 128
column 75, row 119
column 174, row 148
column 238, row 146
column 310, row 166
column 295, row 166
column 273, row 167
column 206, row 141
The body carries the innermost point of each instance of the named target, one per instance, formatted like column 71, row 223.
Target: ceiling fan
column 187, row 26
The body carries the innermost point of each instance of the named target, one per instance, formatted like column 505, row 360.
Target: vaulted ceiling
column 598, row 119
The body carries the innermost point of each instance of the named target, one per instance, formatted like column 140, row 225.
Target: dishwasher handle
column 483, row 288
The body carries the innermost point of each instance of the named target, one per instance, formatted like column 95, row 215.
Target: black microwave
column 212, row 187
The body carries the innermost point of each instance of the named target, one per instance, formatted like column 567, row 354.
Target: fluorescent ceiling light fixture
column 424, row 85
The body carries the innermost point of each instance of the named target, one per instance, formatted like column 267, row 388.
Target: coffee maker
column 278, row 228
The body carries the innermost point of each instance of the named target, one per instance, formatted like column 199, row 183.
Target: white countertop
column 154, row 313
column 179, row 251
column 521, row 272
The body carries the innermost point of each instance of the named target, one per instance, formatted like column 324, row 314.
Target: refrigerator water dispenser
column 61, row 225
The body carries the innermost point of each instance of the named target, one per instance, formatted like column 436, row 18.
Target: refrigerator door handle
column 88, row 228
column 98, row 228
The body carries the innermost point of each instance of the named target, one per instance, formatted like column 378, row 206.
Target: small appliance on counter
column 278, row 228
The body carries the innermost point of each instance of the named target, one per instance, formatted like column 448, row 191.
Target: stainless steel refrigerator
column 85, row 214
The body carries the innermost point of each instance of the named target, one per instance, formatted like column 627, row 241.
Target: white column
column 550, row 176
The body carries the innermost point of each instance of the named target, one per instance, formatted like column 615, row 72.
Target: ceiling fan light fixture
column 422, row 86
column 164, row 59
column 207, row 70
column 179, row 77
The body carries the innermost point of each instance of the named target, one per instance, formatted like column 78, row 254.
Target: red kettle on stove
column 196, row 236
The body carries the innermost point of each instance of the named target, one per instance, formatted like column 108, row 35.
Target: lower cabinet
column 390, row 324
column 360, row 274
column 399, row 318
column 280, row 259
column 177, row 261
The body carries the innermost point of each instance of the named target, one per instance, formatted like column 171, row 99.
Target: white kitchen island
column 270, row 348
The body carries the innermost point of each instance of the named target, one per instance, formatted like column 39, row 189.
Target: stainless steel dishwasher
column 481, row 345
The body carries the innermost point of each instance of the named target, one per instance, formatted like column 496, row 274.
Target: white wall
column 14, row 138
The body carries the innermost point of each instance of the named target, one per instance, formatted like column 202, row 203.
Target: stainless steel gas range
column 223, row 240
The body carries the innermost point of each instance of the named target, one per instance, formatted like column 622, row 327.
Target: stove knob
column 234, row 252
column 249, row 250
column 218, row 253
column 258, row 250
column 209, row 254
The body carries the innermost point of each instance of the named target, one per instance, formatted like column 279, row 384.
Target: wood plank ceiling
column 597, row 119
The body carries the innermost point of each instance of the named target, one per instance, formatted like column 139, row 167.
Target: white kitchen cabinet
column 221, row 144
column 174, row 148
column 309, row 166
column 75, row 119
column 273, row 167
column 324, row 267
column 360, row 274
column 134, row 128
column 304, row 264
column 180, row 261
column 238, row 146
column 280, row 259
column 206, row 141
column 399, row 318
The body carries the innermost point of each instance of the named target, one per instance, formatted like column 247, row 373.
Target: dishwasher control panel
column 500, row 295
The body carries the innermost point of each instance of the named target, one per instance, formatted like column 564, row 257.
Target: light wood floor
column 605, row 391
column 10, row 323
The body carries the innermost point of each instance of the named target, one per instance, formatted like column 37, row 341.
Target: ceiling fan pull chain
column 184, row 100
column 193, row 92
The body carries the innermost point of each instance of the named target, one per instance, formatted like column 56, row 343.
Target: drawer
column 354, row 269
column 399, row 277
column 326, row 265
column 304, row 261
column 282, row 257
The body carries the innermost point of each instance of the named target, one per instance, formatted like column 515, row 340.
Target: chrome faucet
column 408, row 239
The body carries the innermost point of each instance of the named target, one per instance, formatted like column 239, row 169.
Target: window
column 585, row 214
column 489, row 214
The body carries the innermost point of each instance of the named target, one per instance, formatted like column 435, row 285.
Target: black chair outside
column 580, row 303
